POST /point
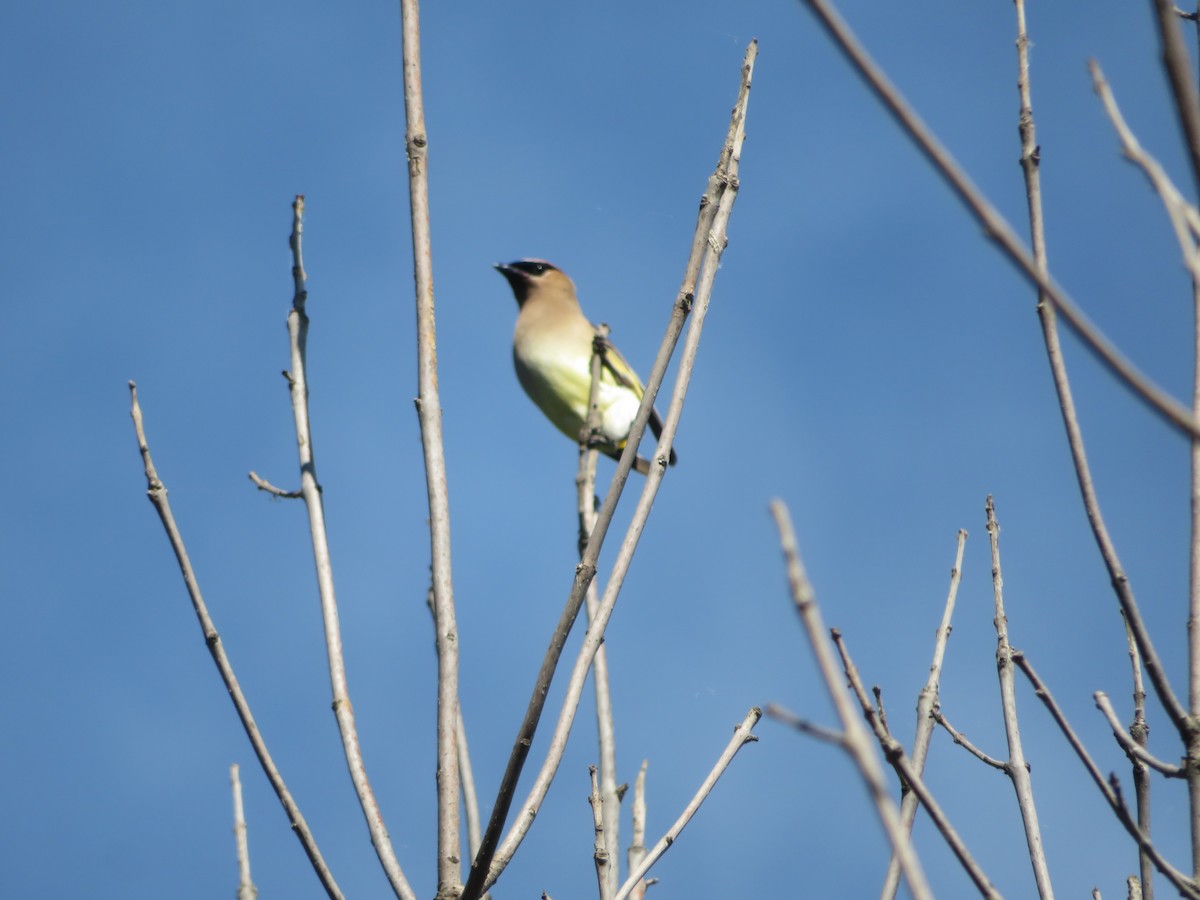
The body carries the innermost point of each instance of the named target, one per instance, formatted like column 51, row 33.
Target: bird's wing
column 620, row 372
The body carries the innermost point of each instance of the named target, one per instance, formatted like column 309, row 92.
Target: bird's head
column 529, row 276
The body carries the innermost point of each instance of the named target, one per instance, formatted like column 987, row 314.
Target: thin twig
column 961, row 739
column 157, row 493
column 742, row 735
column 810, row 729
column 467, row 780
column 910, row 777
column 429, row 411
column 995, row 227
column 246, row 889
column 585, row 484
column 715, row 207
column 1186, row 886
column 1133, row 750
column 263, row 485
column 927, row 701
column 297, row 322
column 854, row 739
column 1016, row 768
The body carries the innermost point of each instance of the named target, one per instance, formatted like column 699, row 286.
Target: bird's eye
column 534, row 267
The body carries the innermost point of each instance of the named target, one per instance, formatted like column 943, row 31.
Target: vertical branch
column 637, row 846
column 927, row 701
column 600, row 854
column 429, row 411
column 157, row 493
column 585, row 483
column 854, row 738
column 1187, row 107
column 246, row 889
column 1139, row 731
column 1016, row 767
column 310, row 490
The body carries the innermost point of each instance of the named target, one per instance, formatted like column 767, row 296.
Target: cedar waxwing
column 552, row 352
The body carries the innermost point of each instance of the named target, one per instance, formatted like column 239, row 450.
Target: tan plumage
column 552, row 353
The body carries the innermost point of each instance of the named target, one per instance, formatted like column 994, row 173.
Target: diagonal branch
column 961, row 739
column 157, row 492
column 741, row 737
column 995, row 227
column 927, row 702
column 715, row 207
column 855, row 740
column 910, row 777
column 1186, row 886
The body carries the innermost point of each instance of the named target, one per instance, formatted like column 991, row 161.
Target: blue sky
column 868, row 358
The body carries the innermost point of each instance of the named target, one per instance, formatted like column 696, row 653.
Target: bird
column 552, row 353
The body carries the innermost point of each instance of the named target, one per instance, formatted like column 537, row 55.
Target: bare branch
column 246, row 889
column 927, row 701
column 1186, row 886
column 741, row 736
column 854, row 739
column 995, row 227
column 429, row 411
column 715, row 210
column 1016, row 769
column 157, row 492
column 1132, row 749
